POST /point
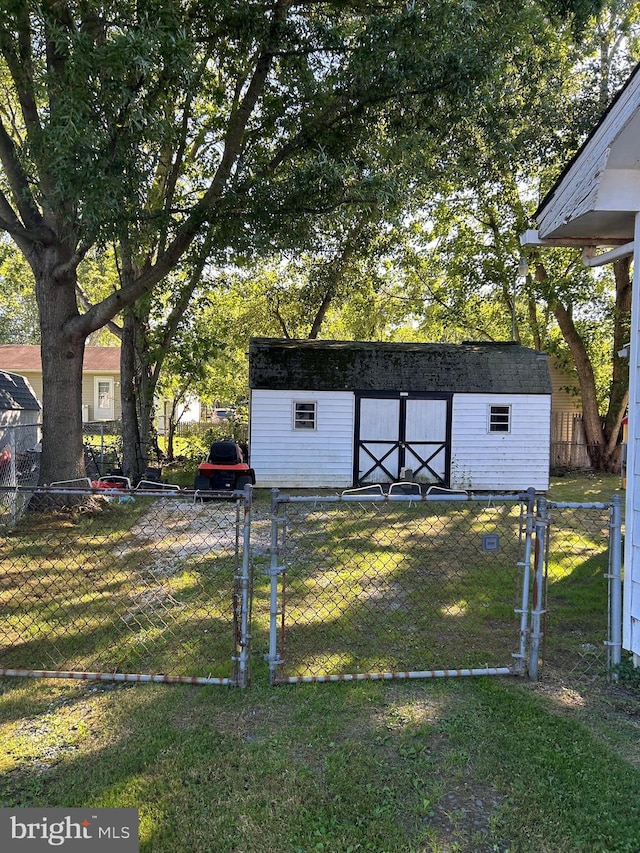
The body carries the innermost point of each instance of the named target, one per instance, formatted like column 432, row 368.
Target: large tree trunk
column 619, row 397
column 137, row 391
column 62, row 357
column 132, row 453
column 602, row 439
column 596, row 446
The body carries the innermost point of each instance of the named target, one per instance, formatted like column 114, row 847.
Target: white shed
column 595, row 204
column 19, row 405
column 334, row 414
column 19, row 424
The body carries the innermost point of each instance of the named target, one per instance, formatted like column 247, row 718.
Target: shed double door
column 402, row 431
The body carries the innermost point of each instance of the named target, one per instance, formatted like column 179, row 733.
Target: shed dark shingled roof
column 480, row 368
column 16, row 393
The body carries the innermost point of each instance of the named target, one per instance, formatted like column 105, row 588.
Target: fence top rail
column 114, row 491
column 572, row 505
column 489, row 498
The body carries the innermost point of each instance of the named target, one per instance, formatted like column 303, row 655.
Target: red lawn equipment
column 224, row 469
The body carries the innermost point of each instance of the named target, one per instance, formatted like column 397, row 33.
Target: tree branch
column 145, row 282
column 19, row 184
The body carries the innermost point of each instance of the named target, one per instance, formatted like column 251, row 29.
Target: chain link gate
column 577, row 593
column 127, row 586
column 153, row 586
column 399, row 586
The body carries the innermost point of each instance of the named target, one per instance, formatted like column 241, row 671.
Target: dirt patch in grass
column 608, row 710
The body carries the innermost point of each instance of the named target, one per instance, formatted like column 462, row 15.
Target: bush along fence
column 192, row 587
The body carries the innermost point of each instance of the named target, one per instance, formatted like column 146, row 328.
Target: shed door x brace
column 396, row 431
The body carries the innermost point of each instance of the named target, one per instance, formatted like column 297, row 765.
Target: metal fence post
column 12, row 475
column 614, row 576
column 537, row 602
column 523, row 610
column 246, row 592
column 274, row 571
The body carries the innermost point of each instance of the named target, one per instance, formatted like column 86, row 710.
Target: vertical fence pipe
column 526, row 582
column 102, row 465
column 245, row 579
column 13, row 445
column 273, row 657
column 615, row 586
column 537, row 603
column 13, row 475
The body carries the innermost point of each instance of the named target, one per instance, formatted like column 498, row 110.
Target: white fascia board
column 532, row 239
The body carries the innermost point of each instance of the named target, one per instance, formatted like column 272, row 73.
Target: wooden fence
column 568, row 441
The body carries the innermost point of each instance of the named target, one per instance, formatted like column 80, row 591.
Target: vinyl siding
column 34, row 379
column 286, row 458
column 511, row 461
column 564, row 400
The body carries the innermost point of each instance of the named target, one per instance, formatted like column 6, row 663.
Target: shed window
column 304, row 415
column 499, row 418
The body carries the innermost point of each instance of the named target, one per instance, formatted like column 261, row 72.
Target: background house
column 100, row 377
column 568, row 441
column 335, row 414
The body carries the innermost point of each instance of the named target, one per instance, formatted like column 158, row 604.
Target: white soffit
column 597, row 196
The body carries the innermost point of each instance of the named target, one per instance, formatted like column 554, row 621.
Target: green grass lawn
column 447, row 765
column 585, row 487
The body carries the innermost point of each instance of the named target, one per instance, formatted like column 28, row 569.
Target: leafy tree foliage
column 18, row 309
column 467, row 254
column 151, row 124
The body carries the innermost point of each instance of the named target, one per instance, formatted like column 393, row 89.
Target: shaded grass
column 473, row 765
column 448, row 766
column 585, row 488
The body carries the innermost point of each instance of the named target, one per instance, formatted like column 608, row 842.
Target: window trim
column 297, row 423
column 493, row 418
column 103, row 414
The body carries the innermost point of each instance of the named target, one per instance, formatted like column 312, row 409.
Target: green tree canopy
column 147, row 124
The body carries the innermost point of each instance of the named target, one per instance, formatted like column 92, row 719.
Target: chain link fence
column 20, row 452
column 167, row 586
column 581, row 610
column 126, row 586
column 102, row 447
column 374, row 587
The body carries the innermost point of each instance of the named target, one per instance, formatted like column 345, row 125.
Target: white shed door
column 397, row 432
column 378, row 446
column 425, row 440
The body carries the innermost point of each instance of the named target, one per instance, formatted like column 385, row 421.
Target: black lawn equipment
column 224, row 469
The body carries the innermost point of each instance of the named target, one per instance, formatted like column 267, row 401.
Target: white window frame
column 103, row 413
column 299, row 423
column 494, row 419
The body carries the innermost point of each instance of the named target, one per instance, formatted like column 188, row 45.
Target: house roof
column 27, row 358
column 16, row 393
column 498, row 368
column 596, row 196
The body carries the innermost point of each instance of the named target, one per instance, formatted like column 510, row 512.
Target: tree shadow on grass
column 106, row 594
column 406, row 588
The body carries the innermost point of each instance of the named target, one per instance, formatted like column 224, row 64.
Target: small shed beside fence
column 336, row 414
column 19, row 427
